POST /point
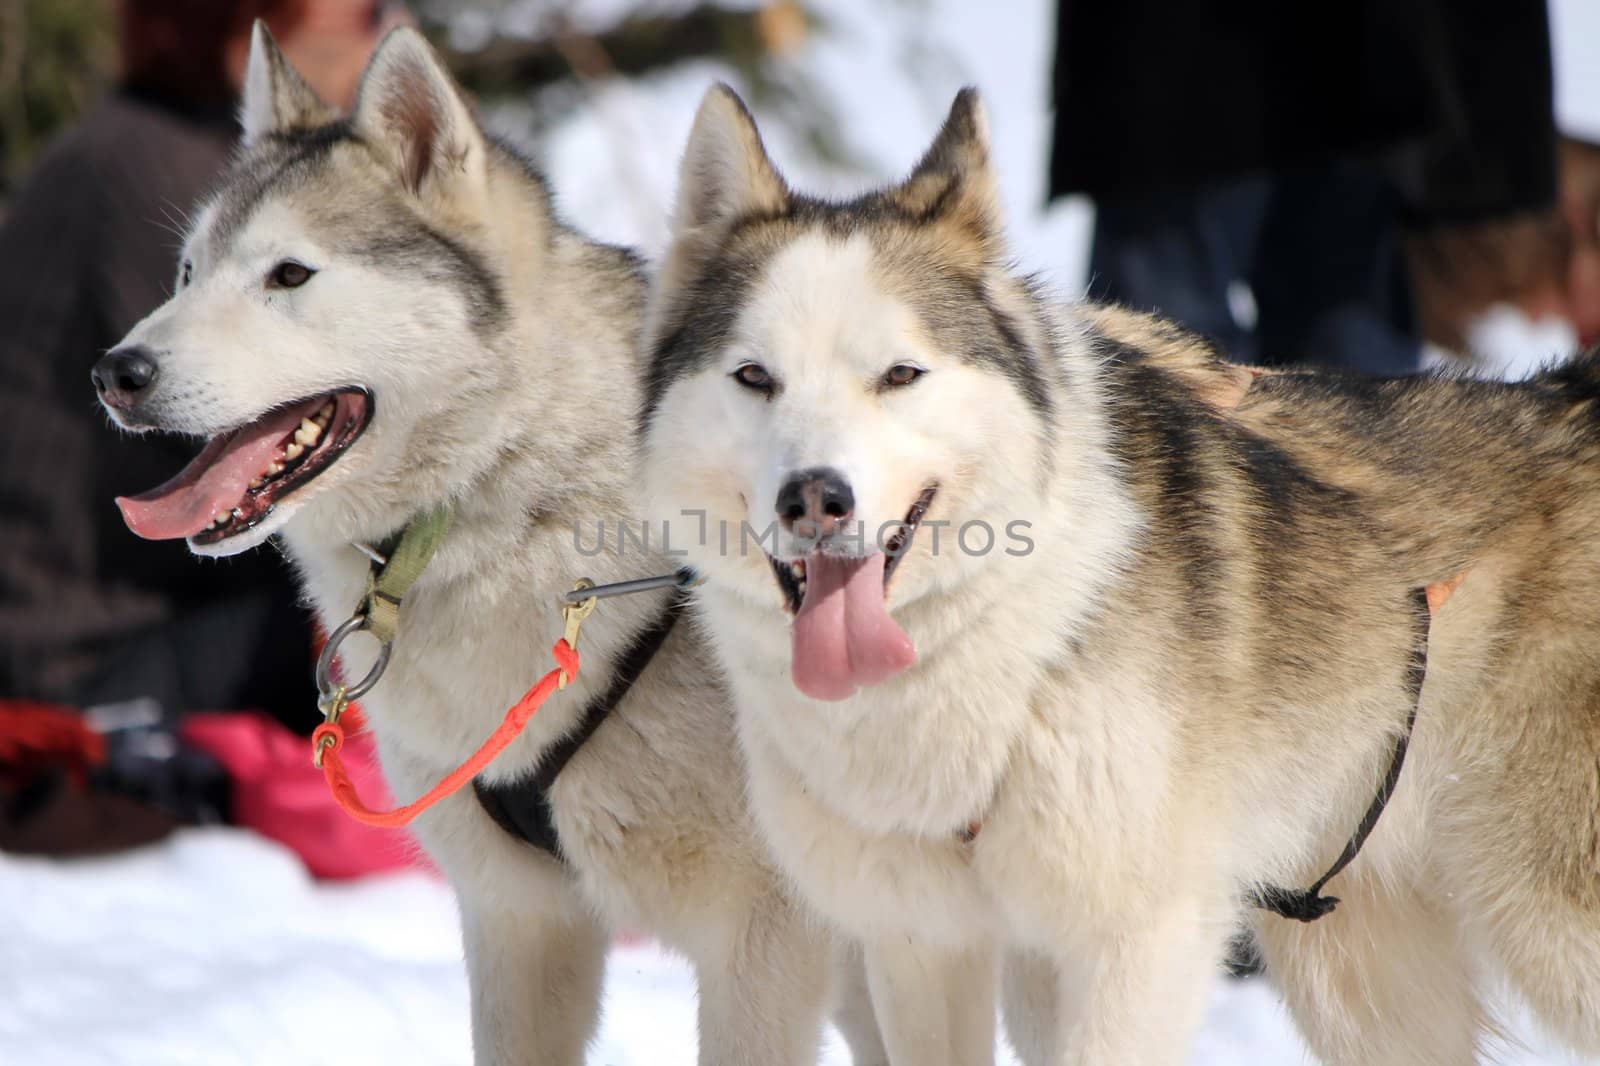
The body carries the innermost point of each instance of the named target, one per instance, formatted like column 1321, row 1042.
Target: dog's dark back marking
column 1194, row 470
column 1160, row 438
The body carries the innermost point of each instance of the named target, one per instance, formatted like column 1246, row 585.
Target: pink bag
column 279, row 794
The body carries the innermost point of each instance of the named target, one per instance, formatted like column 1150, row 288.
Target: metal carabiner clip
column 573, row 613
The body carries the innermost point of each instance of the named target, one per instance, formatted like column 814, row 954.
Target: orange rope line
column 344, row 790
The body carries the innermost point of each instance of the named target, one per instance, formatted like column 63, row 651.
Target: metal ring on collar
column 325, row 682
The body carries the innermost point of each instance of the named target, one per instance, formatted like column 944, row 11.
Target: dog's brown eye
column 902, row 374
column 289, row 275
column 754, row 376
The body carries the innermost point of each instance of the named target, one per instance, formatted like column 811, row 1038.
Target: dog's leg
column 935, row 1005
column 970, row 1005
column 763, row 990
column 1033, row 998
column 1147, row 991
column 1550, row 952
column 1381, row 981
column 535, row 979
column 852, row 1012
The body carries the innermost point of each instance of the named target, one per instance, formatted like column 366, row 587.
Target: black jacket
column 1454, row 95
column 88, row 612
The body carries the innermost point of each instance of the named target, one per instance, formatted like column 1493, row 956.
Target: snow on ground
column 216, row 947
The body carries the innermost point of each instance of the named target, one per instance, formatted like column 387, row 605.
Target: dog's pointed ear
column 410, row 112
column 276, row 97
column 726, row 172
column 954, row 183
column 726, row 176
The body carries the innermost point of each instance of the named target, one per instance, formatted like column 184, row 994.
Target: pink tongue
column 215, row 481
column 843, row 635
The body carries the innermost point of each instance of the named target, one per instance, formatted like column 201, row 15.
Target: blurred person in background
column 1257, row 168
column 89, row 614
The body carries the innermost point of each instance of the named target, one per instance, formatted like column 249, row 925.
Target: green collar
column 405, row 557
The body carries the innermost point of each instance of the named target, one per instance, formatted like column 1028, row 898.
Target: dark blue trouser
column 1319, row 251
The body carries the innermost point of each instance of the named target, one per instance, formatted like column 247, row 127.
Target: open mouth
column 791, row 575
column 843, row 638
column 241, row 475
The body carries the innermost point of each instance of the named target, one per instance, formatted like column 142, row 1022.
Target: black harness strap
column 1307, row 905
column 522, row 807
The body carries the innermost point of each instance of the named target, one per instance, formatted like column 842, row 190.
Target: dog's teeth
column 274, row 468
column 294, row 449
column 798, row 569
column 221, row 518
column 308, row 432
column 258, row 482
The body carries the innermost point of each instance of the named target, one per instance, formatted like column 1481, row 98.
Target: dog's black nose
column 817, row 501
column 123, row 373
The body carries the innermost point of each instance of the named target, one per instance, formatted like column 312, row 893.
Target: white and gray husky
column 1038, row 653
column 379, row 316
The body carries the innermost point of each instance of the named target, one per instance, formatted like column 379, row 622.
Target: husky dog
column 1488, row 491
column 379, row 315
column 1179, row 687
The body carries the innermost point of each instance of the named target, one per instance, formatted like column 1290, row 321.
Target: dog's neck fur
column 554, row 466
column 995, row 624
